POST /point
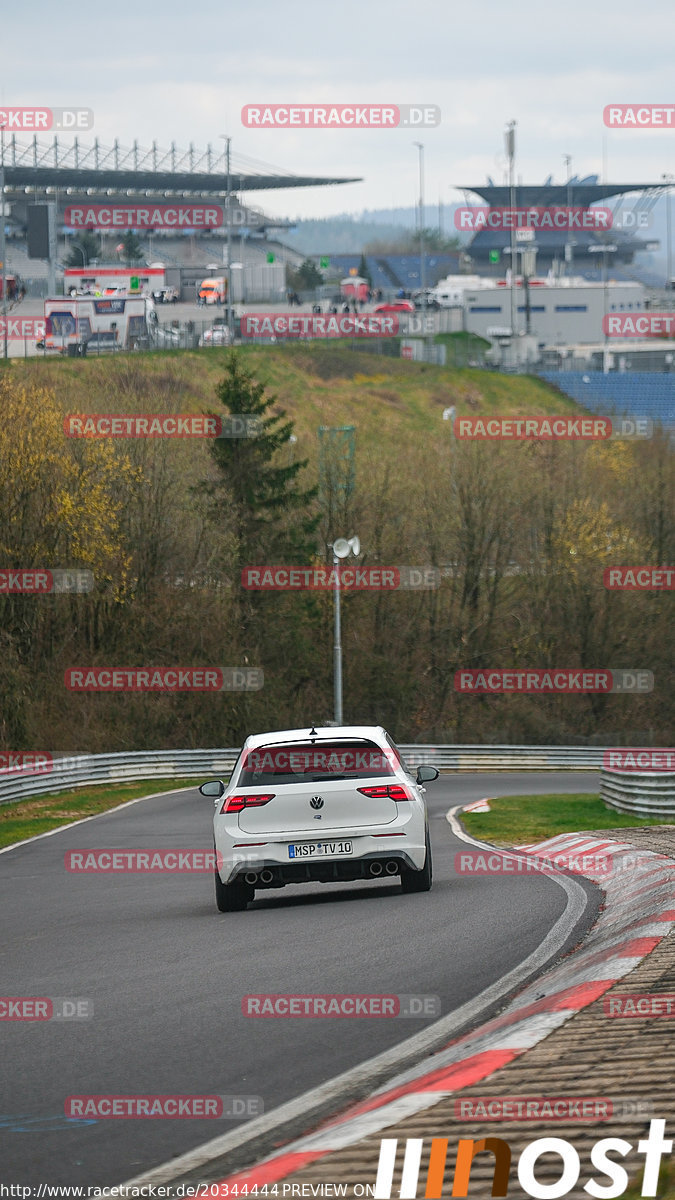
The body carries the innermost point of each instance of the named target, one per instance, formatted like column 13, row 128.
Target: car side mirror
column 215, row 788
column 427, row 774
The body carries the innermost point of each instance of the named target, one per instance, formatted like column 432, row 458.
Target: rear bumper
column 408, row 851
column 329, row 870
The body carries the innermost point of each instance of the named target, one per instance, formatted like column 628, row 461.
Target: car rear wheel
column 419, row 881
column 232, row 897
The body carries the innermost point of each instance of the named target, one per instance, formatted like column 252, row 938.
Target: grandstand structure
column 615, row 246
column 629, row 393
column 38, row 171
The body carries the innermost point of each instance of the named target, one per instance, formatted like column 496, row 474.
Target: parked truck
column 213, row 290
column 77, row 325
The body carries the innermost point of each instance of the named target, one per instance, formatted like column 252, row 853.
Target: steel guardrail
column 75, row 771
column 645, row 793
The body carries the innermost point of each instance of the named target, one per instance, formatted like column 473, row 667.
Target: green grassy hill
column 388, row 399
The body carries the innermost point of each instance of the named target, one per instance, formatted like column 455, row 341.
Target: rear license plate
column 319, row 849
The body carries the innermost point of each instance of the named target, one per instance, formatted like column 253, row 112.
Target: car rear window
column 313, row 762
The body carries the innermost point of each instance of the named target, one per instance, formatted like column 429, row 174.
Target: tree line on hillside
column 520, row 533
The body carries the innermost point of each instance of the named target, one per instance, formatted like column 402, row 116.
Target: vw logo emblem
column 316, row 802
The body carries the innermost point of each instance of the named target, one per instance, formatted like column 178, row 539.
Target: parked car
column 219, row 335
column 164, row 335
column 166, row 295
column 319, row 805
column 396, row 306
column 431, row 299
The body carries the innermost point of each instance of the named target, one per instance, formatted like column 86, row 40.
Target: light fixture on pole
column 3, row 120
column 423, row 274
column 342, row 548
column 669, row 268
column 510, row 139
column 228, row 232
column 449, row 414
column 569, row 252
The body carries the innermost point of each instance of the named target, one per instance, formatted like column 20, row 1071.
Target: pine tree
column 268, row 510
column 364, row 272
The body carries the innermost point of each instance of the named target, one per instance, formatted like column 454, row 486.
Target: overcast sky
column 173, row 71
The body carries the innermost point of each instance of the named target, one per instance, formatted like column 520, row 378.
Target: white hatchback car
column 319, row 805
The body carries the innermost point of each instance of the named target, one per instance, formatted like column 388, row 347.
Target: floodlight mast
column 3, row 249
column 228, row 233
column 510, row 138
column 341, row 548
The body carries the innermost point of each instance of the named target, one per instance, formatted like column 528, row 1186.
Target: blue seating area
column 393, row 271
column 629, row 393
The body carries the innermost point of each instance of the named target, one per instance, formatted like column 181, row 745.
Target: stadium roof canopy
column 581, row 192
column 38, row 168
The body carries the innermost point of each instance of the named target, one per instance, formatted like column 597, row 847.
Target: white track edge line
column 94, row 817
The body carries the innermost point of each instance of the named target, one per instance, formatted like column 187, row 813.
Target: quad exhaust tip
column 391, row 867
column 251, row 877
column 376, row 868
column 266, row 876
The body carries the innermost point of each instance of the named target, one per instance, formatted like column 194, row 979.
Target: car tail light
column 391, row 791
column 238, row 803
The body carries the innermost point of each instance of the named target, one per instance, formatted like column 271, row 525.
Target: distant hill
column 348, row 233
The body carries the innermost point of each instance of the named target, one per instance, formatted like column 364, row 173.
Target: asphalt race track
column 167, row 973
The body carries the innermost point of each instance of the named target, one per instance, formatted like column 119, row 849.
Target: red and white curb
column 638, row 881
column 479, row 806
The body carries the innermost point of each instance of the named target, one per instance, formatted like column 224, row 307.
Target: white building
column 561, row 312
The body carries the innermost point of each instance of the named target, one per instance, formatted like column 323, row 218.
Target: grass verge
column 665, row 1189
column 23, row 819
column 518, row 820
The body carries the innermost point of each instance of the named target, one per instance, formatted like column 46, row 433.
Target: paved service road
column 167, row 972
